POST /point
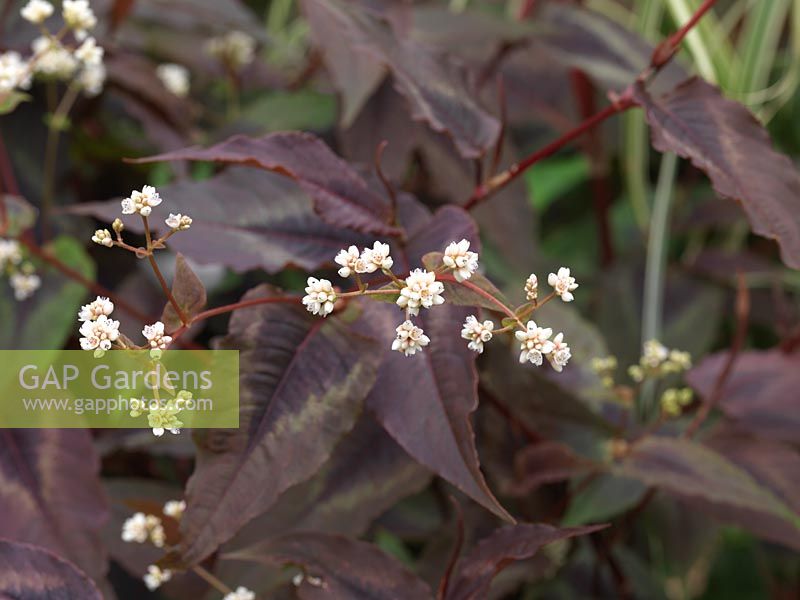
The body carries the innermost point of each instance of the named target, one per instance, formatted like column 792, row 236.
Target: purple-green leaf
column 722, row 138
column 345, row 568
column 51, row 494
column 500, row 549
column 302, row 385
column 188, row 291
column 341, row 196
column 31, row 572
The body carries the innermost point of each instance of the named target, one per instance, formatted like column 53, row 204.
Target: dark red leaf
column 51, row 494
column 302, row 383
column 347, row 568
column 723, row 139
column 720, row 486
column 244, row 219
column 438, row 89
column 188, row 291
column 30, row 572
column 760, row 393
column 341, row 196
column 366, row 475
column 499, row 550
column 431, row 419
column 546, row 462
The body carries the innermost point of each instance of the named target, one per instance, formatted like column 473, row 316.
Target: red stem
column 499, row 181
column 666, row 49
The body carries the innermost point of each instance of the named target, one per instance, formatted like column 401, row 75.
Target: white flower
column 458, row 257
column 241, row 593
column 25, row 285
column 178, row 222
column 175, row 78
column 235, row 48
column 78, row 16
column 532, row 287
column 157, row 534
column 560, row 354
column 320, row 296
column 534, row 343
column 563, row 284
column 36, row 11
column 103, row 237
column 99, row 333
column 136, row 529
column 175, row 509
column 52, row 59
column 10, row 253
column 421, row 290
column 13, row 72
column 654, row 354
column 410, row 338
column 92, row 78
column 477, row 333
column 156, row 576
column 155, row 336
column 376, row 258
column 89, row 53
column 164, row 417
column 350, row 261
column 101, row 306
column 141, row 202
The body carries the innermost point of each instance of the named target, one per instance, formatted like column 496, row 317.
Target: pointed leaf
column 699, row 473
column 501, row 549
column 723, row 139
column 431, row 420
column 439, row 90
column 51, row 494
column 341, row 196
column 244, row 219
column 760, row 393
column 302, row 383
column 347, row 568
column 28, row 571
column 188, row 291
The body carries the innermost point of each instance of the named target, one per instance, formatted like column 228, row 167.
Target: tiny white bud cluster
column 78, row 16
column 535, row 345
column 142, row 202
column 410, row 338
column 178, row 222
column 14, row 72
column 156, row 338
column 175, row 509
column 421, row 290
column 477, row 333
column 658, row 361
column 103, row 237
column 97, row 330
column 673, row 400
column 175, row 78
column 532, row 288
column 459, row 258
column 320, row 297
column 563, row 284
column 156, row 576
column 37, row 11
column 141, row 528
column 21, row 275
column 236, row 49
column 100, row 307
column 240, row 593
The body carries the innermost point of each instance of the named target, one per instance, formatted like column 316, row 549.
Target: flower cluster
column 674, row 400
column 423, row 288
column 156, row 576
column 175, row 78
column 658, row 361
column 235, row 49
column 51, row 58
column 240, row 593
column 142, row 528
column 162, row 416
column 98, row 331
column 156, row 338
column 21, row 273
